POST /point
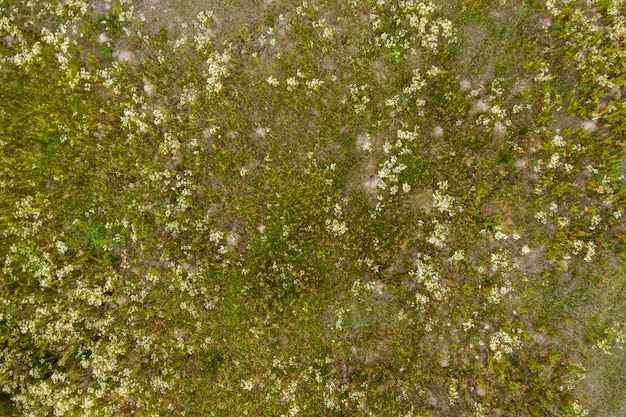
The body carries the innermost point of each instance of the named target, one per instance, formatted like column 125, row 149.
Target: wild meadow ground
column 313, row 208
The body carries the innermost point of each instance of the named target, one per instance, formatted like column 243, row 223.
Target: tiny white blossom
column 247, row 385
column 314, row 84
column 542, row 216
column 292, row 83
column 591, row 251
column 457, row 256
column 500, row 236
column 558, row 141
column 61, row 247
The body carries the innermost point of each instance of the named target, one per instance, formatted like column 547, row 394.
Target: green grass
column 321, row 208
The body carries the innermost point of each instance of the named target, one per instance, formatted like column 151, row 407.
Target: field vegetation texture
column 313, row 208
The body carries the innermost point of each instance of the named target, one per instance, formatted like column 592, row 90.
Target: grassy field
column 313, row 208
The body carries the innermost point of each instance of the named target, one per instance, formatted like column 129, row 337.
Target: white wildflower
column 439, row 235
column 591, row 251
column 247, row 384
column 504, row 343
column 292, row 83
column 453, row 394
column 314, row 84
column 468, row 325
column 558, row 141
column 444, row 202
column 336, row 227
column 542, row 216
column 500, row 236
column 457, row 256
column 61, row 247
